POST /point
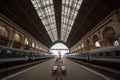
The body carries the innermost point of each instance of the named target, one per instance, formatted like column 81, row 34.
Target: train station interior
column 59, row 39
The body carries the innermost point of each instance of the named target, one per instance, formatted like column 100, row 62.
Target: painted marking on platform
column 95, row 72
column 15, row 74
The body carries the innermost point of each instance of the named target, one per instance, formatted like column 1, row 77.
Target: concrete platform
column 42, row 71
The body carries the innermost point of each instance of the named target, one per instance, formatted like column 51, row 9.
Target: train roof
column 106, row 49
column 9, row 48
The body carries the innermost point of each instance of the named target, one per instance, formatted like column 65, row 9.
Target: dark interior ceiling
column 90, row 14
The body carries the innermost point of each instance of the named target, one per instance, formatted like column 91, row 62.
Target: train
column 8, row 54
column 108, row 55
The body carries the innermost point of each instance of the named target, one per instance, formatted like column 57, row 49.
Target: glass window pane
column 108, row 54
column 117, row 53
column 45, row 10
column 69, row 12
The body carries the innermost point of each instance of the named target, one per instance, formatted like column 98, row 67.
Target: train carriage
column 109, row 55
column 14, row 55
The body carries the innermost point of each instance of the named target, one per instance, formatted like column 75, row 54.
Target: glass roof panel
column 45, row 10
column 70, row 9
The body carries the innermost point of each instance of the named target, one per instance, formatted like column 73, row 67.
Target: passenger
column 59, row 57
column 56, row 60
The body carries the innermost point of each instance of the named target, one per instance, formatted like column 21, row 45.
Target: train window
column 0, row 51
column 108, row 54
column 17, row 53
column 23, row 54
column 85, row 55
column 117, row 53
column 94, row 54
column 82, row 55
column 100, row 54
column 9, row 52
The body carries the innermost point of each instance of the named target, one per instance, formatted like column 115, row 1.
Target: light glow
column 97, row 44
column 59, row 46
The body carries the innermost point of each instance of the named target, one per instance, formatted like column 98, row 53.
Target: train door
column 89, row 57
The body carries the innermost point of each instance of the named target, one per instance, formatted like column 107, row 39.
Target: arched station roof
column 91, row 12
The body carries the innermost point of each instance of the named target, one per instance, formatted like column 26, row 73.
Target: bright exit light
column 59, row 48
column 62, row 52
column 55, row 52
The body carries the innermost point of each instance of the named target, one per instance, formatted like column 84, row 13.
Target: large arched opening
column 87, row 45
column 95, row 41
column 59, row 49
column 3, row 35
column 17, row 40
column 26, row 43
column 109, row 35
